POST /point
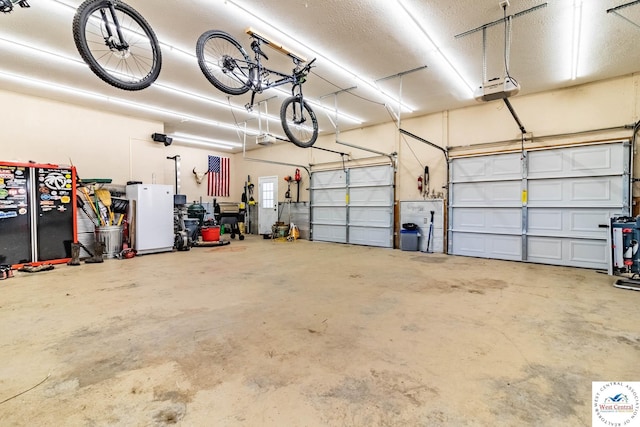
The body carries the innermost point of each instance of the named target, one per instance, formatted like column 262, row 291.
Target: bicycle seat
column 255, row 45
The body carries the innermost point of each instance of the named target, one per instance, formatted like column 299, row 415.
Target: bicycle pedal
column 249, row 107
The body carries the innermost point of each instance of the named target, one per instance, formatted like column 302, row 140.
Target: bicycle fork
column 298, row 107
column 119, row 44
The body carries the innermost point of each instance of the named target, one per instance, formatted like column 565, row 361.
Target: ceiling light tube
column 204, row 141
column 180, row 141
column 20, row 47
column 576, row 35
column 436, row 47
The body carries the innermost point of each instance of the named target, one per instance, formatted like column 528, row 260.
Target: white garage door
column 545, row 207
column 353, row 206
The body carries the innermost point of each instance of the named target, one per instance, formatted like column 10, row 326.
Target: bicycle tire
column 135, row 68
column 218, row 57
column 302, row 135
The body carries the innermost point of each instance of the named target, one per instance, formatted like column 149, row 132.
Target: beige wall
column 100, row 144
column 106, row 145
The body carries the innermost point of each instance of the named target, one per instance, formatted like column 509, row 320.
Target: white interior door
column 268, row 203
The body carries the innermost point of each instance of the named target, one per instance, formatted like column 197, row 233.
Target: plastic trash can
column 409, row 240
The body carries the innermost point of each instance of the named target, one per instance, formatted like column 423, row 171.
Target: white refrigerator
column 151, row 210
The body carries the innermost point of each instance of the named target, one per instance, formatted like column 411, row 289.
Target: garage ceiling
column 374, row 48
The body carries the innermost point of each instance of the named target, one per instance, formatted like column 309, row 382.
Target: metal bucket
column 111, row 236
column 191, row 224
column 283, row 230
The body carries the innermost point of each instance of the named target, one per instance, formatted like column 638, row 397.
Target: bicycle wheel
column 224, row 62
column 132, row 63
column 299, row 122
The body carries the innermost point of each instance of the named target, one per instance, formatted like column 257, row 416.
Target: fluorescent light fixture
column 19, row 79
column 576, row 36
column 204, row 142
column 354, row 74
column 446, row 60
column 20, row 47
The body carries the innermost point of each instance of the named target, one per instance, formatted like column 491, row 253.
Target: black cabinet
column 37, row 213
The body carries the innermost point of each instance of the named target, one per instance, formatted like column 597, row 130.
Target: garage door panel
column 487, row 168
column 568, row 251
column 485, row 220
column 336, row 197
column 364, row 216
column 588, row 192
column 488, row 246
column 593, row 160
column 488, row 194
column 330, row 233
column 330, row 215
column 328, row 179
column 370, row 176
column 370, row 196
column 353, row 206
column 580, row 222
column 370, row 236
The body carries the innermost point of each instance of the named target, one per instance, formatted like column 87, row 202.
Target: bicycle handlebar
column 308, row 66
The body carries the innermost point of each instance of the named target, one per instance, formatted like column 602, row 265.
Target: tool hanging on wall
column 287, row 195
column 298, row 178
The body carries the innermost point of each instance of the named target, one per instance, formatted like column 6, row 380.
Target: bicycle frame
column 6, row 6
column 261, row 73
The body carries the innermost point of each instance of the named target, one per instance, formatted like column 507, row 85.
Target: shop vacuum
column 625, row 257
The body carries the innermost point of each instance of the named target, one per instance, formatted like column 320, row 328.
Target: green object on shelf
column 97, row 181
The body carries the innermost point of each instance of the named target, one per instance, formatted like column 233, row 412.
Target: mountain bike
column 226, row 64
column 6, row 6
column 117, row 43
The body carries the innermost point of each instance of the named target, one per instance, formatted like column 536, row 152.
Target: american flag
column 218, row 176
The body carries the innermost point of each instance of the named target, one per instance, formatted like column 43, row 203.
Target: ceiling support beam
column 500, row 21
column 622, row 6
column 615, row 10
column 400, row 75
column 444, row 150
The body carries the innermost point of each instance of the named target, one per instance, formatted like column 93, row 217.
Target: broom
column 105, row 197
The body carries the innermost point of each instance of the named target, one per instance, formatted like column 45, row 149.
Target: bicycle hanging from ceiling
column 226, row 64
column 117, row 43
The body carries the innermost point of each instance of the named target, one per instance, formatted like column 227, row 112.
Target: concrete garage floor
column 262, row 333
